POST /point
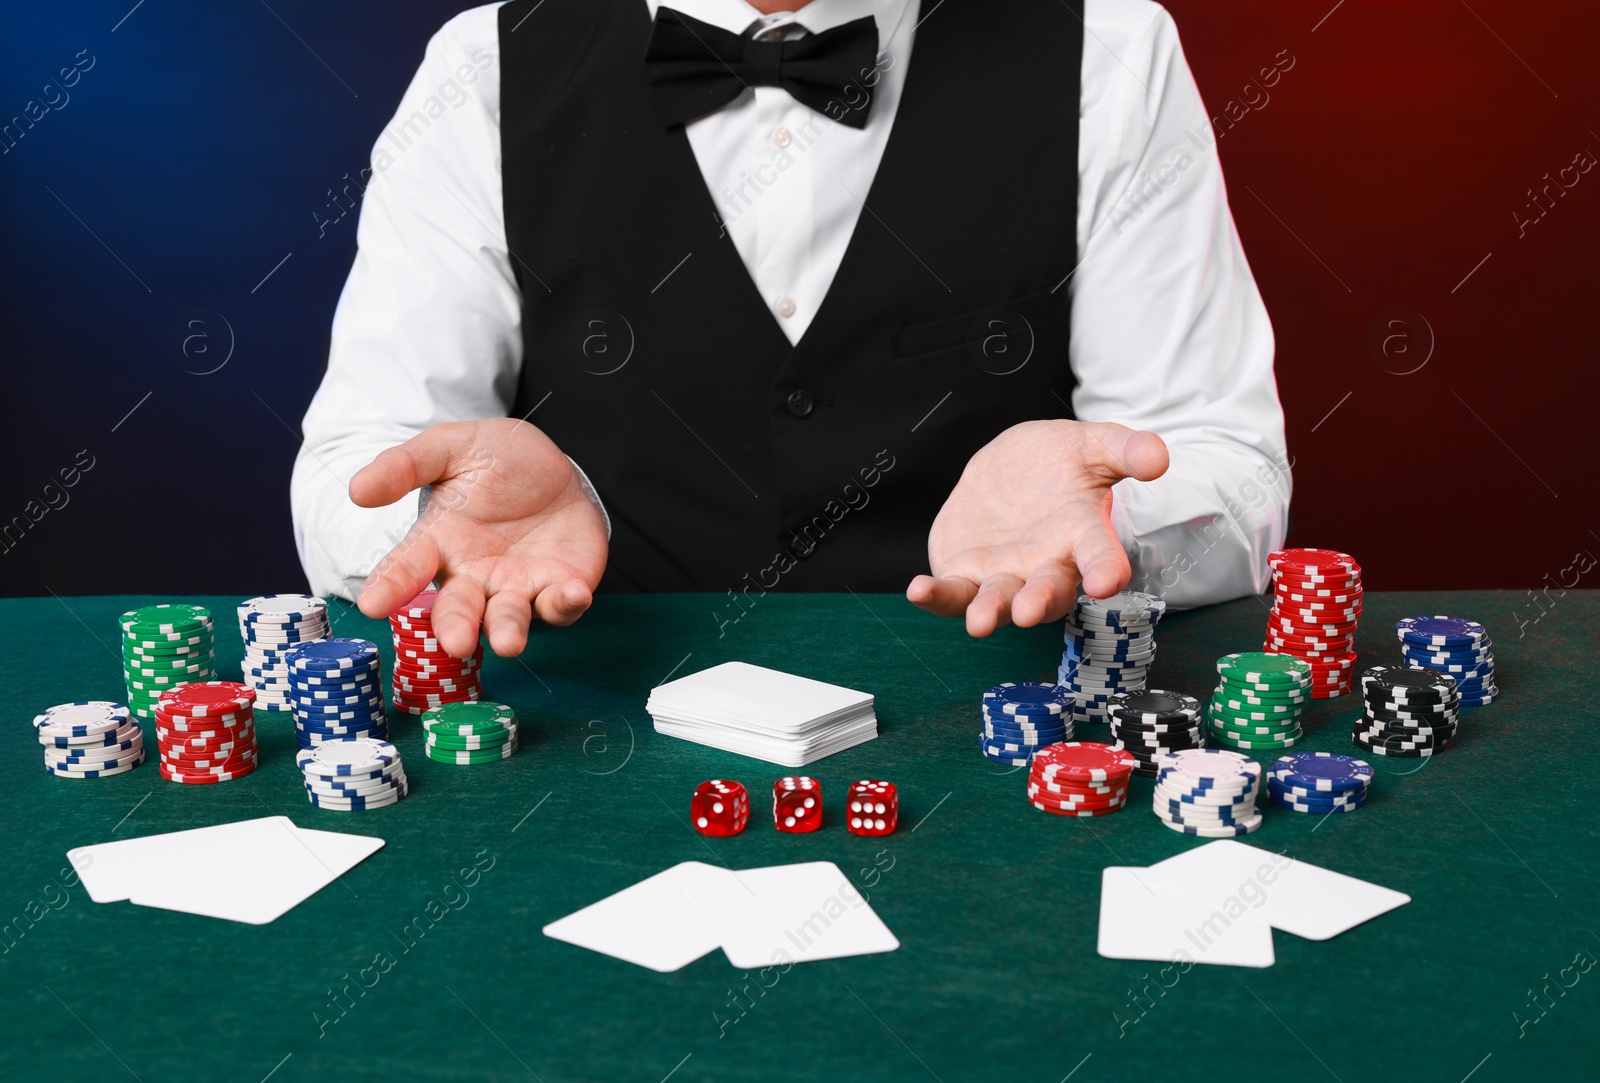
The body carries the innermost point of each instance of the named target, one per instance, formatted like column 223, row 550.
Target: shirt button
column 781, row 137
column 801, row 403
column 785, row 307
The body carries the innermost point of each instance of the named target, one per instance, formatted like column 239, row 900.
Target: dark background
column 1368, row 183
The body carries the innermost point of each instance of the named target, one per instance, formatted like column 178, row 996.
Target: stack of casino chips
column 1149, row 724
column 424, row 675
column 1319, row 782
column 1258, row 701
column 89, row 739
column 1208, row 792
column 1461, row 648
column 164, row 646
column 352, row 775
column 1080, row 778
column 336, row 691
column 1021, row 718
column 1316, row 599
column 469, row 733
column 206, row 732
column 1409, row 712
column 269, row 626
column 1111, row 643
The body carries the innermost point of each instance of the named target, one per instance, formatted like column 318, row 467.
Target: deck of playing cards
column 763, row 713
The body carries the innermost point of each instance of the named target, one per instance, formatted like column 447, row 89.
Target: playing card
column 789, row 913
column 1138, row 920
column 109, row 869
column 759, row 917
column 251, row 871
column 254, row 873
column 653, row 924
column 1298, row 898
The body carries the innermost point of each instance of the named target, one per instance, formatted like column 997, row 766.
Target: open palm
column 1030, row 520
column 509, row 533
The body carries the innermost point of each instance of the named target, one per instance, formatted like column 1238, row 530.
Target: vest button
column 801, row 403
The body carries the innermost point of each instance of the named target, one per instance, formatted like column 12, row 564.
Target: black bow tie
column 694, row 68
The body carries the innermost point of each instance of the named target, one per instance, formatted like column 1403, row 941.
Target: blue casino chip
column 1441, row 631
column 1028, row 698
column 1324, row 771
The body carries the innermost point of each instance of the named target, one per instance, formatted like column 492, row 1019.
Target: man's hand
column 1030, row 519
column 508, row 532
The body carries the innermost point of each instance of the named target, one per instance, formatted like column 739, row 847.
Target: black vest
column 725, row 456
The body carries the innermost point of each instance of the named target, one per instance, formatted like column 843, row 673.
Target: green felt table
column 995, row 903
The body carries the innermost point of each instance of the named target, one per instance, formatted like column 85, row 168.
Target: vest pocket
column 1017, row 317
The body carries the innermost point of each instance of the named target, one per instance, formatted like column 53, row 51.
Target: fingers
column 1146, row 456
column 1121, row 452
column 511, row 610
column 506, row 620
column 991, row 609
column 564, row 602
column 421, row 460
column 1102, row 562
column 947, row 597
column 457, row 612
column 1047, row 596
column 400, row 576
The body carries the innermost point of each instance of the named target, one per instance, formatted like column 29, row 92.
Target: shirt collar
column 819, row 15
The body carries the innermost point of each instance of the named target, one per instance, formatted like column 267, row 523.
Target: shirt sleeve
column 427, row 329
column 1169, row 330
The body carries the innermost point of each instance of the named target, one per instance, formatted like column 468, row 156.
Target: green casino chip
column 464, row 758
column 449, row 743
column 468, row 719
column 1251, row 713
column 1259, row 668
column 1264, row 695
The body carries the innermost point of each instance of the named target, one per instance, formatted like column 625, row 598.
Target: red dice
column 873, row 807
column 719, row 808
column 797, row 804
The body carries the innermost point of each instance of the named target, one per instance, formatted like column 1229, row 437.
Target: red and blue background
column 1389, row 188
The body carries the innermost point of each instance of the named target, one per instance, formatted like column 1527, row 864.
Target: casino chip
column 89, row 739
column 336, row 691
column 1461, row 648
column 164, row 646
column 424, row 676
column 1258, row 701
column 1320, row 782
column 1149, row 724
column 467, row 733
column 1110, row 645
column 1410, row 712
column 1080, row 778
column 270, row 625
column 350, row 775
column 1022, row 717
column 206, row 732
column 1316, row 600
column 1207, row 792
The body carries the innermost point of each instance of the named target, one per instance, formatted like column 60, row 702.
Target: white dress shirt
column 1168, row 329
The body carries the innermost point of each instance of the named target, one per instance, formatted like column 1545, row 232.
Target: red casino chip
column 203, row 699
column 1082, row 761
column 201, row 778
column 1314, row 562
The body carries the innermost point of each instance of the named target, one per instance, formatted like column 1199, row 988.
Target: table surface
column 995, row 903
